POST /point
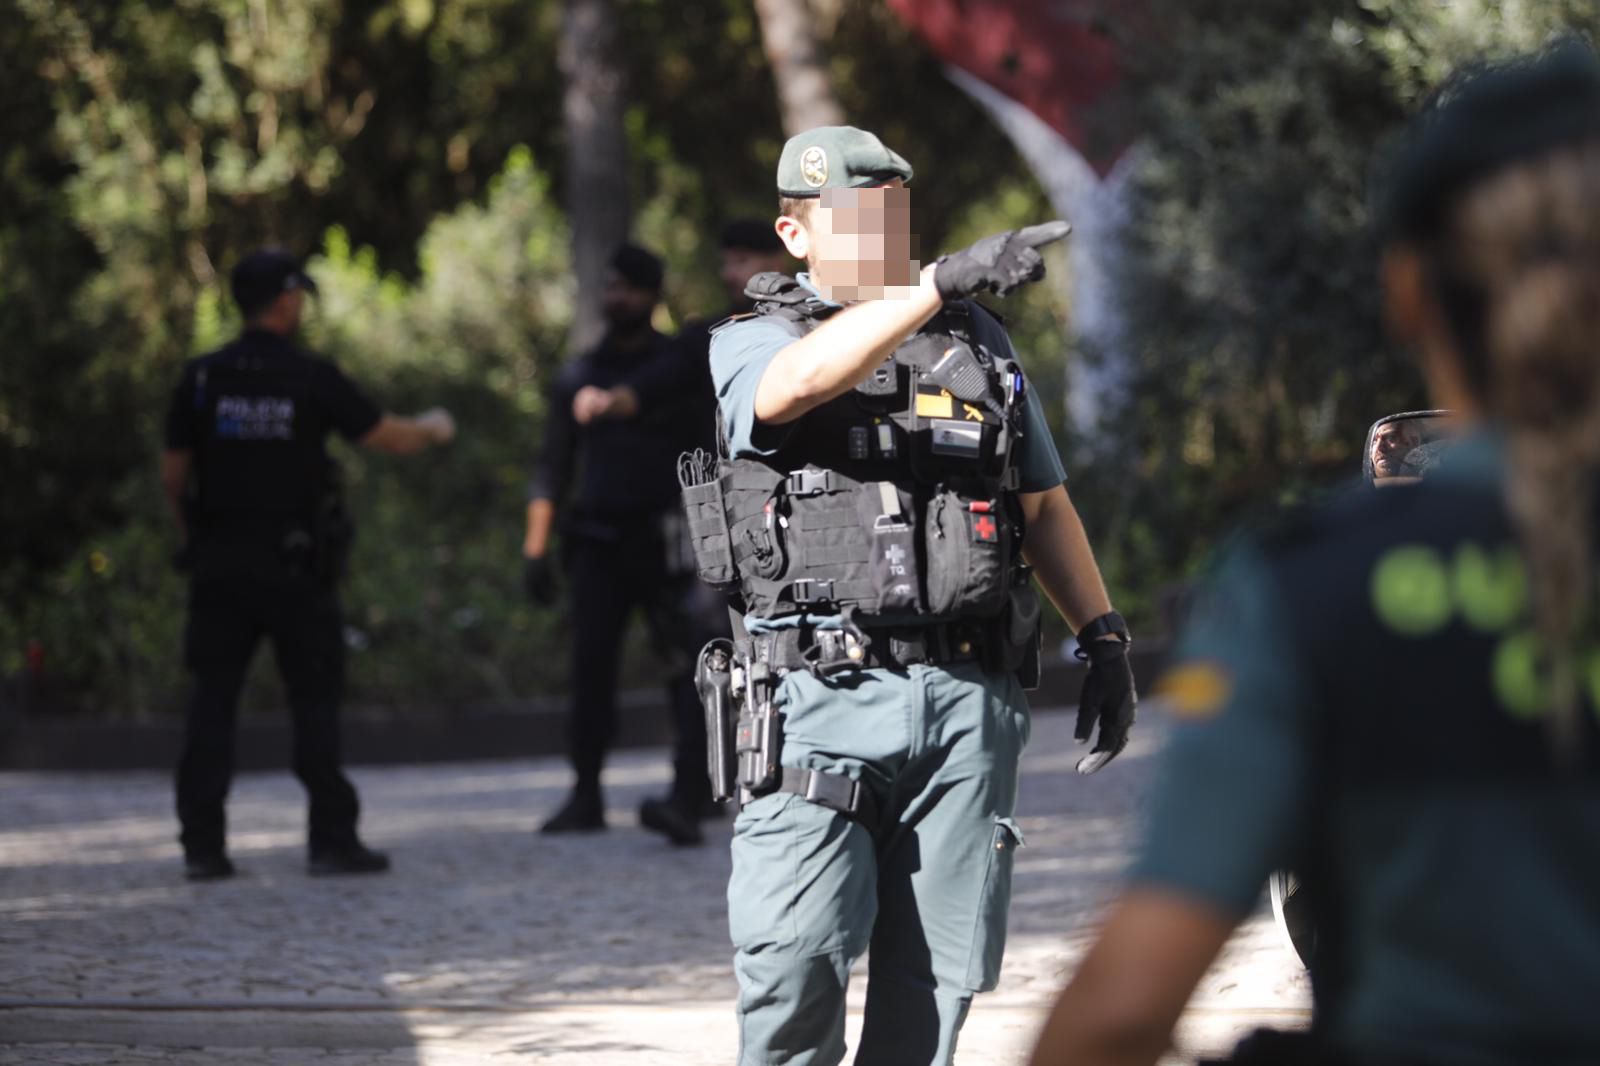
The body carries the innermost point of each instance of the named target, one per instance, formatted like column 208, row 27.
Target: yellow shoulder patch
column 1195, row 689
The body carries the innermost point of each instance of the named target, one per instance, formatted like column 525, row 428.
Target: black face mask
column 625, row 321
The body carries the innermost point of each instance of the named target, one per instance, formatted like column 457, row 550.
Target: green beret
column 836, row 157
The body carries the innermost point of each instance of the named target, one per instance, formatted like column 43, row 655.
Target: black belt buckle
column 836, row 651
column 809, row 482
column 833, row 652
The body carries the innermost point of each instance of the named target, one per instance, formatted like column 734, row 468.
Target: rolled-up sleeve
column 1230, row 801
column 740, row 355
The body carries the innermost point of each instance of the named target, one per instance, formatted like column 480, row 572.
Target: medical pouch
column 968, row 546
column 887, row 513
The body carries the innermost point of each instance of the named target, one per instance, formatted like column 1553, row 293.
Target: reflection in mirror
column 1404, row 448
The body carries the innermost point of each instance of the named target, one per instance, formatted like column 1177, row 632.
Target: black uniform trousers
column 611, row 576
column 229, row 614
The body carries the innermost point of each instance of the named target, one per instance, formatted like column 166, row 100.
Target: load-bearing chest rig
column 883, row 529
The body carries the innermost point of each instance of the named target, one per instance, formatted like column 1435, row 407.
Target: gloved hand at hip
column 539, row 579
column 1108, row 698
column 1000, row 262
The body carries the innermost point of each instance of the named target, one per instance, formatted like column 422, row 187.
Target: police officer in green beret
column 888, row 495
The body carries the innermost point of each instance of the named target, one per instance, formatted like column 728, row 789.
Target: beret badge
column 814, row 166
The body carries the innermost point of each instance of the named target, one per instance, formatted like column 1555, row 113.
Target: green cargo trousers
column 811, row 889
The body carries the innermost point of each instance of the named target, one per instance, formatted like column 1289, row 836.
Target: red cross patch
column 984, row 529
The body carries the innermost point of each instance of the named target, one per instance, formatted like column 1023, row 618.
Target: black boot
column 208, row 866
column 677, row 820
column 584, row 812
column 354, row 859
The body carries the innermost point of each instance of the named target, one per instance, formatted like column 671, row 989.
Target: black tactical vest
column 260, row 463
column 897, row 498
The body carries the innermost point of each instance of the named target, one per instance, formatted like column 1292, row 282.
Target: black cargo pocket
column 707, row 529
column 989, row 927
column 968, row 544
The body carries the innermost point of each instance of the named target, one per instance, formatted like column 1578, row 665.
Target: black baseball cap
column 637, row 266
column 265, row 274
column 1483, row 119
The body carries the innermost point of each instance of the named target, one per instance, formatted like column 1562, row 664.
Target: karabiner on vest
column 895, row 499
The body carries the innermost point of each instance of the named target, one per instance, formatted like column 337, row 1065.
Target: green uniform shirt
column 1358, row 700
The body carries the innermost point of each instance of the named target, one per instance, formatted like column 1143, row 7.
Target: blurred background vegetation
column 415, row 149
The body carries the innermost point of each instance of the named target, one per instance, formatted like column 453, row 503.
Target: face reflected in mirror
column 1390, row 445
column 1409, row 448
column 862, row 244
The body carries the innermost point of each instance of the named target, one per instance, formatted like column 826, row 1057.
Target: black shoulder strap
column 782, row 296
column 957, row 315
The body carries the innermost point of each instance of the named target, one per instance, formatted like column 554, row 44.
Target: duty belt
column 832, row 651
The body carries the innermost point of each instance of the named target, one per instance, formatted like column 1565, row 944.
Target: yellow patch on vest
column 1195, row 690
column 935, row 405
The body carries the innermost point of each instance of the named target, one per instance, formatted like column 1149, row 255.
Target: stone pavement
column 489, row 943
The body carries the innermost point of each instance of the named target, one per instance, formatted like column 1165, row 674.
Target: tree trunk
column 805, row 95
column 597, row 154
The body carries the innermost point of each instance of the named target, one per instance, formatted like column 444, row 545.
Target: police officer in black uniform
column 677, row 385
column 611, row 482
column 1397, row 693
column 255, row 497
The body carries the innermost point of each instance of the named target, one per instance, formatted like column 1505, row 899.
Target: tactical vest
column 263, row 479
column 895, row 499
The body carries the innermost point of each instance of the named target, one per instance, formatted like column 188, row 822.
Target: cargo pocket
column 989, row 928
column 764, row 884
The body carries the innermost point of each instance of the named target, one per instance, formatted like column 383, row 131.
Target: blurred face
column 624, row 306
column 283, row 314
column 857, row 243
column 739, row 265
column 1390, row 446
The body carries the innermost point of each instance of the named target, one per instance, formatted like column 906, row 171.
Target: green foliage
column 1249, row 284
column 416, row 145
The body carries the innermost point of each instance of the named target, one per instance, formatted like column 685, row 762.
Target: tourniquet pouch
column 968, row 546
column 887, row 512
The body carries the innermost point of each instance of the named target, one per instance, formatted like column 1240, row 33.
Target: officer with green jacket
column 888, row 494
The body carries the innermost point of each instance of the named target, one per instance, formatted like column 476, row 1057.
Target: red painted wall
column 1055, row 57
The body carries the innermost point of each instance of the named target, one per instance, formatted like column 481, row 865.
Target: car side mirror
column 1404, row 448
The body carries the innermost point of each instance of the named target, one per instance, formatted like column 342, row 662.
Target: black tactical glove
column 1108, row 697
column 1001, row 262
column 539, row 579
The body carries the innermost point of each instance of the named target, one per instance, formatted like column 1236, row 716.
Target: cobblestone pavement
column 488, row 942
